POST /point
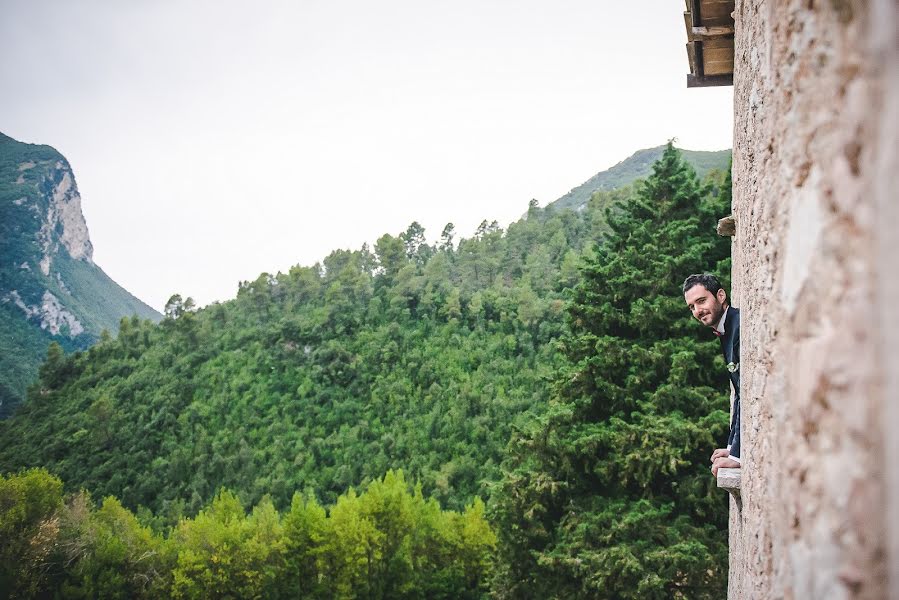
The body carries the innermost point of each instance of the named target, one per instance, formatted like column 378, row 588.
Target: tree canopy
column 607, row 494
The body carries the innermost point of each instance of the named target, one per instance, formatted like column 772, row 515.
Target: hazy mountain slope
column 50, row 288
column 638, row 166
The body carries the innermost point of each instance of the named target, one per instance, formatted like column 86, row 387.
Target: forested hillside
column 639, row 166
column 565, row 333
column 408, row 355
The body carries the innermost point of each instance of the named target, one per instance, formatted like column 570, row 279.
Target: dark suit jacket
column 730, row 347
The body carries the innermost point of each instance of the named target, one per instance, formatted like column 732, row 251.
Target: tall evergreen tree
column 608, row 493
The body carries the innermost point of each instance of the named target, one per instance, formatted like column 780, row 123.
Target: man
column 707, row 300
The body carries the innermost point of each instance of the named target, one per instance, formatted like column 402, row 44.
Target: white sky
column 215, row 140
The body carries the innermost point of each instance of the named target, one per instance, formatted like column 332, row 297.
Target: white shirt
column 720, row 326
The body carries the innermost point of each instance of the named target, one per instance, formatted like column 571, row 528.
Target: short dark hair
column 709, row 282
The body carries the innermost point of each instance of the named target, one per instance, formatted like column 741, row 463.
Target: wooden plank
column 716, row 8
column 718, row 68
column 710, row 55
column 716, row 12
column 717, row 61
column 718, row 43
column 717, row 80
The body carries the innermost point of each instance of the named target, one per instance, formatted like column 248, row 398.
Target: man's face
column 706, row 307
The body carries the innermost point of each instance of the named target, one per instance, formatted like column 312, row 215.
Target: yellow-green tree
column 29, row 525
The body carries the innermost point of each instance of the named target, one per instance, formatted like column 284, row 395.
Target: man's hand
column 719, row 453
column 724, row 462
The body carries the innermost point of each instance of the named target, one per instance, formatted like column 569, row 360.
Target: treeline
column 387, row 542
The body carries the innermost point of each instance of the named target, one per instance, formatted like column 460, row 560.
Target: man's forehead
column 696, row 292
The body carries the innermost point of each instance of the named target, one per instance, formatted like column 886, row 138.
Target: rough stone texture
column 816, row 90
column 64, row 222
column 51, row 314
column 729, row 479
column 56, row 319
column 726, row 226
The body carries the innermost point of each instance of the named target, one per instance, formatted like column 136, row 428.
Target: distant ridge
column 638, row 166
column 50, row 287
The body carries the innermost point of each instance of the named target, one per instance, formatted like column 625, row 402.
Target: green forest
column 526, row 413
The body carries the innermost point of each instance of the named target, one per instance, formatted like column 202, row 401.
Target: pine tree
column 608, row 493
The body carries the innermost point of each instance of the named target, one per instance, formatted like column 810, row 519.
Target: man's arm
column 729, row 458
column 725, row 462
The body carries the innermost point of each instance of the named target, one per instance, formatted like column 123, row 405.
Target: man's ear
column 721, row 296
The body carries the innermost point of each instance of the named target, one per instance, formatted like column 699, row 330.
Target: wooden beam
column 688, row 24
column 700, row 60
column 691, row 56
column 710, row 81
column 709, row 32
column 694, row 13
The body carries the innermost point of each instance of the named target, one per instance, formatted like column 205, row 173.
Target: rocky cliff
column 50, row 288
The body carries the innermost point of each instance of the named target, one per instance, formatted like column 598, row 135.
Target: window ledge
column 729, row 479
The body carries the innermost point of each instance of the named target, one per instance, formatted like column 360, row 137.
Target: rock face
column 51, row 315
column 64, row 224
column 50, row 288
column 816, row 134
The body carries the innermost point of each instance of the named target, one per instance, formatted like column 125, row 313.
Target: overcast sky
column 215, row 140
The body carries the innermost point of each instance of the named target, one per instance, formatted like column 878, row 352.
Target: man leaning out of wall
column 708, row 303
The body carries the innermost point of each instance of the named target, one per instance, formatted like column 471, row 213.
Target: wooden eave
column 710, row 42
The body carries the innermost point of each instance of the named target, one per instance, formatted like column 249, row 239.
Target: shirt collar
column 720, row 327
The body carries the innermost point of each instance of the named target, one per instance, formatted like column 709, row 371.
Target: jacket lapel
column 731, row 339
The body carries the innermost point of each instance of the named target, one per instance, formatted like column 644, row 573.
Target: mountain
column 50, row 287
column 639, row 166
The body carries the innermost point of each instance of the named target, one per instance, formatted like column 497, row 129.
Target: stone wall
column 816, row 273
